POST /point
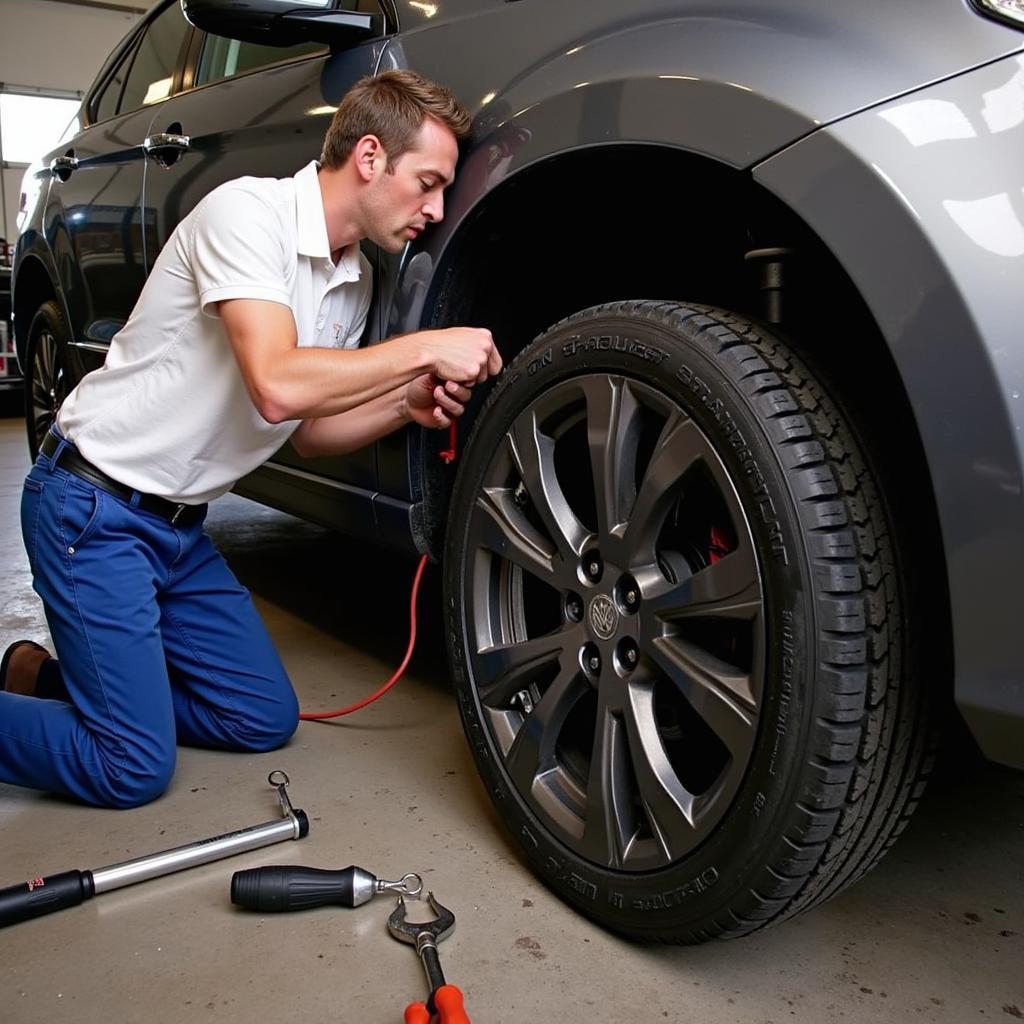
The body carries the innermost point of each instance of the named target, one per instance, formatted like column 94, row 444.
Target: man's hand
column 289, row 382
column 431, row 403
column 464, row 354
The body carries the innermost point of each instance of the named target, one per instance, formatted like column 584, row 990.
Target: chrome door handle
column 62, row 166
column 166, row 140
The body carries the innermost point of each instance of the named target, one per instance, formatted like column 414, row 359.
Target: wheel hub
column 603, row 617
column 633, row 740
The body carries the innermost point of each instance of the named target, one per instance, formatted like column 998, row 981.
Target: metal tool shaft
column 115, row 876
column 431, row 960
column 43, row 895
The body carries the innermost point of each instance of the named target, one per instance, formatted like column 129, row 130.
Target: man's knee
column 273, row 726
column 132, row 783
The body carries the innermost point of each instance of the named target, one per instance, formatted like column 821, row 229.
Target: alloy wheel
column 617, row 616
column 47, row 387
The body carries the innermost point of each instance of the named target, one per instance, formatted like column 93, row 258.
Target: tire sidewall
column 675, row 361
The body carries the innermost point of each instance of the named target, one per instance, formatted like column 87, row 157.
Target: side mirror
column 279, row 22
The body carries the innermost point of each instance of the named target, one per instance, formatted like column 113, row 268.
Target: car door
column 94, row 217
column 248, row 109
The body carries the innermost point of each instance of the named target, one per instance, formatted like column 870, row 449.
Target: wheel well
column 32, row 288
column 637, row 222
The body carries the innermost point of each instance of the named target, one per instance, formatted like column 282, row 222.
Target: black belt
column 175, row 513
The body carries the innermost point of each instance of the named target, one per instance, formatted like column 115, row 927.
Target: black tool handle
column 40, row 896
column 435, row 976
column 284, row 887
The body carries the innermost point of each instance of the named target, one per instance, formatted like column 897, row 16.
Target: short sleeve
column 238, row 249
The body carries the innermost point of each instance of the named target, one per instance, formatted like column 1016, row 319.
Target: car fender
column 35, row 274
column 719, row 81
column 937, row 176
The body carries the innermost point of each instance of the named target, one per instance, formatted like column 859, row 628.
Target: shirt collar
column 309, row 214
column 312, row 229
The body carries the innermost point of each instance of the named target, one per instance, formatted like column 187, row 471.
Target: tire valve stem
column 520, row 495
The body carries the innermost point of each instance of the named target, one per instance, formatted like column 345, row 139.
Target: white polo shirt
column 168, row 413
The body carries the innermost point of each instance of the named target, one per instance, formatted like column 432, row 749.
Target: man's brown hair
column 392, row 106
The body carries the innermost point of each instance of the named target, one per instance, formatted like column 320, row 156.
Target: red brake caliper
column 718, row 545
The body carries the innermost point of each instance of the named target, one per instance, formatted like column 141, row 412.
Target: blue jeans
column 158, row 644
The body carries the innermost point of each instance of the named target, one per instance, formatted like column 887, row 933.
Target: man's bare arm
column 348, row 431
column 423, row 401
column 286, row 382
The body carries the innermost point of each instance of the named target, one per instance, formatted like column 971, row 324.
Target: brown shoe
column 5, row 664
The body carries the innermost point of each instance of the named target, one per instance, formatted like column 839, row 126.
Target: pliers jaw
column 411, row 932
column 445, row 1000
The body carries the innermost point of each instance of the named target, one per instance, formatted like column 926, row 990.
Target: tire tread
column 873, row 739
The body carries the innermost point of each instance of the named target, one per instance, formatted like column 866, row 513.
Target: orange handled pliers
column 448, row 1000
column 444, row 1005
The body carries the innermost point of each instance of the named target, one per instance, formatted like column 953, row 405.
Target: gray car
column 742, row 519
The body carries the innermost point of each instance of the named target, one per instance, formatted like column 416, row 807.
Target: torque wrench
column 40, row 896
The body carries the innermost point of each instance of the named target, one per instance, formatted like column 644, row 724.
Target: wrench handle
column 44, row 895
column 432, row 967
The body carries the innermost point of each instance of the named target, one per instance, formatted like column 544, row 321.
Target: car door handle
column 62, row 166
column 167, row 147
column 166, row 140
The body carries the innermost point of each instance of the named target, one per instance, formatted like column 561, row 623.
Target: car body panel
column 664, row 74
column 93, row 226
column 868, row 51
column 938, row 176
column 731, row 82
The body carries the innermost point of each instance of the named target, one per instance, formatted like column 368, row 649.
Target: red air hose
column 312, row 716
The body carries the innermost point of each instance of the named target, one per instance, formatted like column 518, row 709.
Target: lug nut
column 628, row 655
column 573, row 608
column 628, row 594
column 592, row 566
column 590, row 659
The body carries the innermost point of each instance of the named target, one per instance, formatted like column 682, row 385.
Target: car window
column 105, row 104
column 152, row 71
column 222, row 58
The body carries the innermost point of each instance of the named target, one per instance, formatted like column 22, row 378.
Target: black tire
column 752, row 735
column 46, row 377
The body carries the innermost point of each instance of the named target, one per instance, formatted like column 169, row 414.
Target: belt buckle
column 177, row 514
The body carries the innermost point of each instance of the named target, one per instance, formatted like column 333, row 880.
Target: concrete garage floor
column 936, row 933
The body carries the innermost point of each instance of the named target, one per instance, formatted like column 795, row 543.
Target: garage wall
column 53, row 45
